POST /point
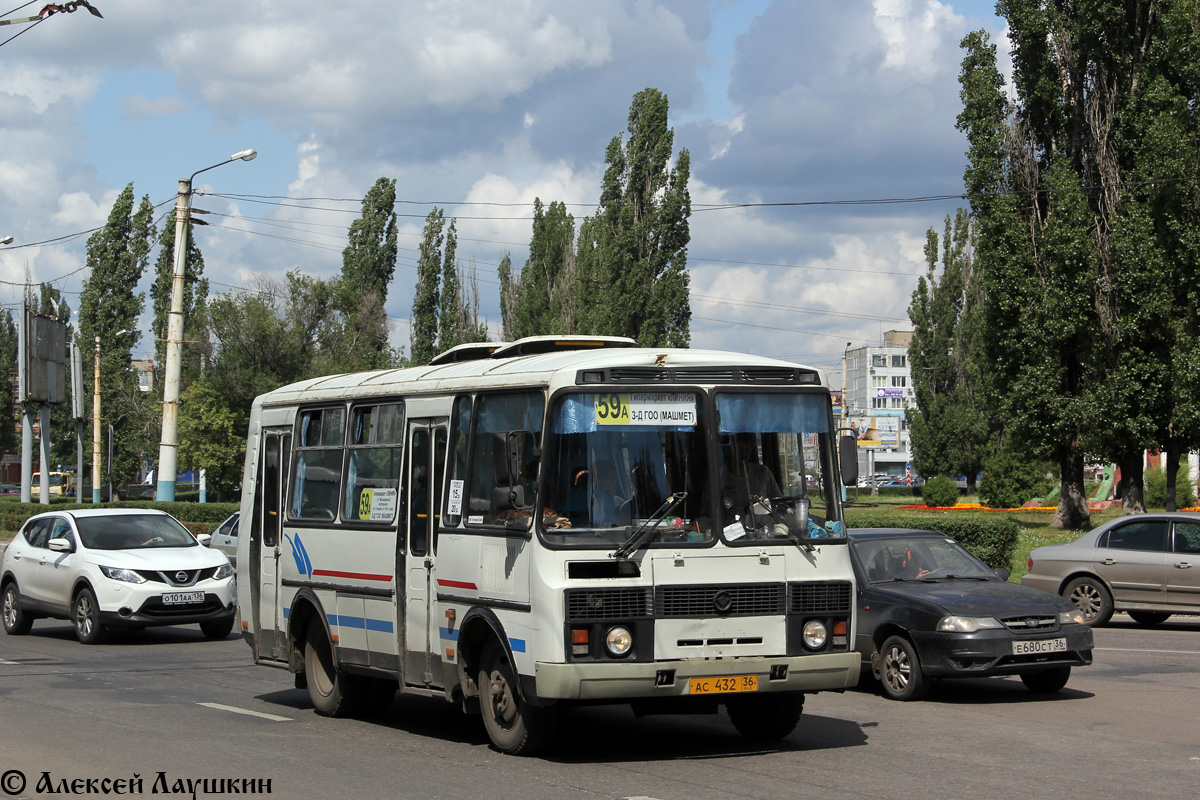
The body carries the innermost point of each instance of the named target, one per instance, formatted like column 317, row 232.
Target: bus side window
column 460, row 437
column 373, row 463
column 318, row 473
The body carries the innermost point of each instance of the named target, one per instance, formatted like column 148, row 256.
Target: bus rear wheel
column 514, row 726
column 766, row 717
column 333, row 693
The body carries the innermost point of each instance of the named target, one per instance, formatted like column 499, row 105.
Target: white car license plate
column 182, row 598
column 1037, row 646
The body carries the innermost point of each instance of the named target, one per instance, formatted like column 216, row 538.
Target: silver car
column 224, row 538
column 1147, row 565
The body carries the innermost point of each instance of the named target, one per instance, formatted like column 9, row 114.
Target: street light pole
column 168, row 448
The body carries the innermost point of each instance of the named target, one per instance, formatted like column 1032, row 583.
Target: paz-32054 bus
column 557, row 520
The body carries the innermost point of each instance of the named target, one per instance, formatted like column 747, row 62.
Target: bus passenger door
column 264, row 545
column 426, row 457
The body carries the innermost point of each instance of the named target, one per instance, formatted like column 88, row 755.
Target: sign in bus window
column 373, row 462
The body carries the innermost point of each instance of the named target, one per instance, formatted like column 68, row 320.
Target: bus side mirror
column 848, row 459
column 511, row 450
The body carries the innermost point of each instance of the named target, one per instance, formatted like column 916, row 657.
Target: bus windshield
column 614, row 459
column 776, row 467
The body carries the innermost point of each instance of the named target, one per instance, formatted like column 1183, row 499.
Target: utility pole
column 168, row 448
column 96, row 428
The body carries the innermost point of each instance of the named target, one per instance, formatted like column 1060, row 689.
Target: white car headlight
column 967, row 624
column 224, row 571
column 122, row 574
column 1067, row 617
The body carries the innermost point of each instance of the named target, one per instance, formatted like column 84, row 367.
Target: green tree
column 368, row 264
column 508, row 298
column 212, row 436
column 949, row 425
column 9, row 439
column 426, row 300
column 450, row 327
column 117, row 257
column 544, row 288
column 632, row 256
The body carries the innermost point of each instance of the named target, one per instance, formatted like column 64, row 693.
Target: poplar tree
column 508, row 298
column 949, row 424
column 632, row 256
column 450, row 327
column 368, row 264
column 544, row 289
column 117, row 257
column 426, row 299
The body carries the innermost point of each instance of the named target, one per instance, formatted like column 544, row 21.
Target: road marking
column 246, row 711
column 12, row 663
column 1141, row 650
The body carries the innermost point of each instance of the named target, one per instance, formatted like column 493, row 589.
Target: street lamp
column 168, row 448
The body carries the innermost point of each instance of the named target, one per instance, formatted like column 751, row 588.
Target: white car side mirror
column 60, row 545
column 204, row 539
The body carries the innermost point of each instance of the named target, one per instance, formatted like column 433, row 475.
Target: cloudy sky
column 479, row 106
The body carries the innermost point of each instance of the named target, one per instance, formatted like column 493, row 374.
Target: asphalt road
column 1124, row 728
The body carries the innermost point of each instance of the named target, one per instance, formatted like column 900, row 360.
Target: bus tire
column 333, row 693
column 514, row 726
column 766, row 717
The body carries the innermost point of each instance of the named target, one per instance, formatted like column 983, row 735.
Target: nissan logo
column 181, row 577
column 722, row 602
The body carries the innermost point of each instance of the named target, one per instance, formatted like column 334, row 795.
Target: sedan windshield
column 132, row 532
column 614, row 459
column 917, row 558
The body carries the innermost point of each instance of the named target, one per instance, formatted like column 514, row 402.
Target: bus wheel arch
column 479, row 628
column 305, row 608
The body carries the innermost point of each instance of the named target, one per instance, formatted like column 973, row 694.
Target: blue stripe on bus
column 286, row 613
column 448, row 633
column 518, row 645
column 345, row 621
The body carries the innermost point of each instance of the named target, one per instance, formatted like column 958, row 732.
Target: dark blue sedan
column 929, row 609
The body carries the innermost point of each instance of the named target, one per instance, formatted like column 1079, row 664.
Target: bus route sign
column 642, row 408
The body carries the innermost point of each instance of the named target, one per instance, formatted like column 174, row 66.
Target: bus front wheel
column 766, row 717
column 333, row 693
column 514, row 726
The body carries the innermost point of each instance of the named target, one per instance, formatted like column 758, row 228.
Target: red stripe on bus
column 457, row 584
column 362, row 576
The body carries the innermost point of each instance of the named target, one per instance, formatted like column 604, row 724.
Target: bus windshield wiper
column 646, row 532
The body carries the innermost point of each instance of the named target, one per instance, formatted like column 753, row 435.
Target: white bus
column 557, row 520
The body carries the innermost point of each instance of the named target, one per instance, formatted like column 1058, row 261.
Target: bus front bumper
column 629, row 680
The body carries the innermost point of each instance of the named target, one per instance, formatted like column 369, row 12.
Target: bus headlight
column 815, row 634
column 618, row 641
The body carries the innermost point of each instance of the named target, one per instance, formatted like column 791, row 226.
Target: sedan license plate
column 1038, row 646
column 732, row 683
column 182, row 598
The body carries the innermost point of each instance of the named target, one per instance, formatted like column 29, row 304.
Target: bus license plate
column 1033, row 648
column 182, row 598
column 733, row 683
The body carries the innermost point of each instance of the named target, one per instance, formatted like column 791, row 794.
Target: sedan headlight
column 122, row 574
column 967, row 624
column 224, row 571
column 1067, row 617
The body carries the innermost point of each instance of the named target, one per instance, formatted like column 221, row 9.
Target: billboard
column 45, row 360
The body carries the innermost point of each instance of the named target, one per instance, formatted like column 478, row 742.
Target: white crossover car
column 114, row 568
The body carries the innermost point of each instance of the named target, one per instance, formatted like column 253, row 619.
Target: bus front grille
column 831, row 597
column 720, row 600
column 609, row 603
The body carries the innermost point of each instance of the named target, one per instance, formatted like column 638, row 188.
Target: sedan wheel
column 1149, row 618
column 900, row 670
column 1092, row 599
column 85, row 613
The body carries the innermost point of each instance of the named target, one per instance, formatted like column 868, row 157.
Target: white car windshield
column 132, row 532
